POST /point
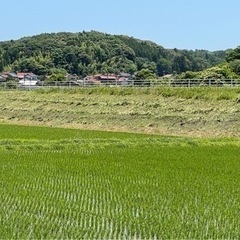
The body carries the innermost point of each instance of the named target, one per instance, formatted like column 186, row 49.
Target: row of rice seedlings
column 164, row 192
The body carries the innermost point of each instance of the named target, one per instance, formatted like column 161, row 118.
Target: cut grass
column 205, row 93
column 169, row 111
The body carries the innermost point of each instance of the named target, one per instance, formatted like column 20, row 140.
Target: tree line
column 94, row 52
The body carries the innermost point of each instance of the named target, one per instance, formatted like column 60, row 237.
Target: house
column 9, row 75
column 27, row 82
column 100, row 79
column 26, row 76
column 4, row 75
column 125, row 79
column 27, row 79
column 12, row 75
column 21, row 75
column 109, row 78
column 90, row 80
column 125, row 75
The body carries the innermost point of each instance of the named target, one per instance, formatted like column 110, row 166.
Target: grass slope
column 171, row 111
column 65, row 183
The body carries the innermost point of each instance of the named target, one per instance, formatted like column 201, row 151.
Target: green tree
column 235, row 66
column 88, row 52
column 233, row 54
column 145, row 74
column 57, row 77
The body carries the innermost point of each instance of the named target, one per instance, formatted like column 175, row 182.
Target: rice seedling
column 64, row 183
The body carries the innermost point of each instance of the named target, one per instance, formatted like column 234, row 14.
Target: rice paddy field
column 77, row 184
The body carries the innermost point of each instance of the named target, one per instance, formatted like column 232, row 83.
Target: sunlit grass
column 65, row 183
column 206, row 93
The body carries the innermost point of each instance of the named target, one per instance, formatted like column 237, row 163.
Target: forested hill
column 94, row 52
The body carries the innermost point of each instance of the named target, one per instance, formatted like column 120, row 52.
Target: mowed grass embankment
column 169, row 111
column 77, row 184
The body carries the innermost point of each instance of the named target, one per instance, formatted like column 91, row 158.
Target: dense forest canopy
column 229, row 69
column 94, row 52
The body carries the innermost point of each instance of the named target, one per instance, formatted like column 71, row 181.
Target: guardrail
column 129, row 83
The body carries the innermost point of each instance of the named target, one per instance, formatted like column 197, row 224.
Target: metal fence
column 188, row 83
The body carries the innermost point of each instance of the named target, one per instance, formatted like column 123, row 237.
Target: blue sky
column 183, row 24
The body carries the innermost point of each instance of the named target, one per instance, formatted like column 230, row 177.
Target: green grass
column 64, row 183
column 206, row 93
